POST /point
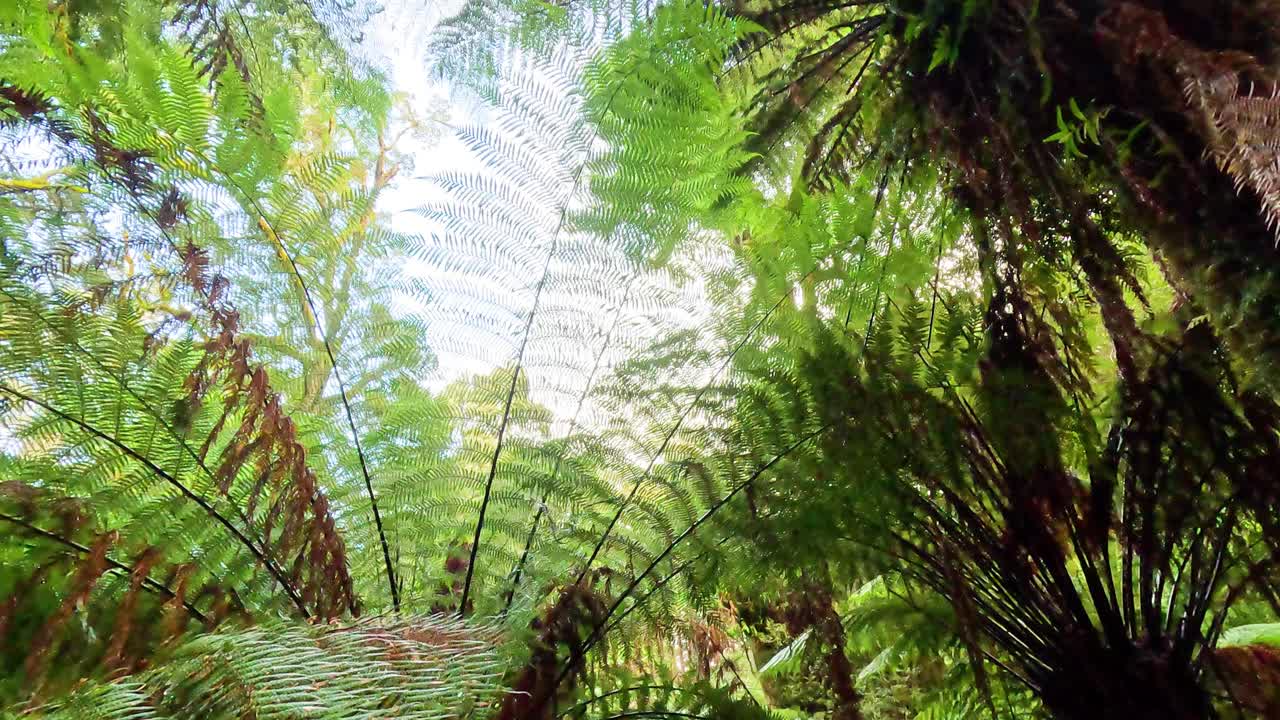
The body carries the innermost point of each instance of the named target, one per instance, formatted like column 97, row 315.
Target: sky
column 397, row 41
column 606, row 321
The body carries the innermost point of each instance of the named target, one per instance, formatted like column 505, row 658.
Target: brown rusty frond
column 265, row 444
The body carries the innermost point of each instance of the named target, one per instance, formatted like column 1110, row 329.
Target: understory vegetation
column 864, row 360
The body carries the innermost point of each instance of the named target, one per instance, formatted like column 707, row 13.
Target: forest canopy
column 752, row 359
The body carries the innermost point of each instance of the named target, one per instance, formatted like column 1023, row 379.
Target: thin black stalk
column 515, row 378
column 147, row 582
column 611, row 693
column 493, row 466
column 641, row 600
column 933, row 305
column 595, row 551
column 151, row 410
column 848, row 117
column 181, row 488
column 598, row 630
column 67, row 136
column 653, row 460
column 63, row 132
column 342, row 388
column 573, row 424
column 875, row 209
column 780, row 34
column 656, row 714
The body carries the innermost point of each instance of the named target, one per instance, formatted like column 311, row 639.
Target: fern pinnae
column 187, row 492
column 314, row 320
column 642, row 600
column 515, row 377
column 573, row 424
column 598, row 630
column 124, row 385
column 209, row 294
column 346, row 405
column 576, row 181
column 148, row 582
column 675, row 428
column 292, row 267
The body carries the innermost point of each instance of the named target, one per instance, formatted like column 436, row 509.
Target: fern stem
column 149, row 583
column 635, row 487
column 151, row 410
column 597, row 631
column 511, row 392
column 657, row 714
column 573, row 424
column 619, row 691
column 524, row 341
column 342, row 392
column 933, row 304
column 564, row 209
column 119, row 378
column 180, row 487
column 209, row 301
column 65, row 133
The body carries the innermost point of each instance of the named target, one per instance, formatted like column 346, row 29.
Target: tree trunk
column 813, row 609
column 1133, row 684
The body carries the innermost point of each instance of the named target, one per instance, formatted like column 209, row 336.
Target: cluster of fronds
column 72, row 556
column 407, row 667
column 265, row 443
column 1245, row 138
column 757, row 302
column 134, row 401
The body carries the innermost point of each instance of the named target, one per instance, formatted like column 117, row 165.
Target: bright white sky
column 397, row 40
column 557, row 366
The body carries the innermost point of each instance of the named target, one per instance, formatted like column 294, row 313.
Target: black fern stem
column 598, row 630
column 147, row 582
column 573, row 424
column 174, row 246
column 151, row 410
column 511, row 392
column 186, row 492
column 342, row 392
column 493, row 469
column 635, row 487
column 641, row 600
column 156, row 414
column 528, row 546
column 66, row 135
column 355, row 434
column 866, row 244
column 933, row 304
column 630, row 714
column 620, row 691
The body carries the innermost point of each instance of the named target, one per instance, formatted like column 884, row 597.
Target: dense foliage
column 865, row 360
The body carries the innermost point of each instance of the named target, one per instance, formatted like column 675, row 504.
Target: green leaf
column 1259, row 634
column 787, row 659
column 1075, row 109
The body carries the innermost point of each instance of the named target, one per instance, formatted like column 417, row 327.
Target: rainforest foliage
column 866, row 360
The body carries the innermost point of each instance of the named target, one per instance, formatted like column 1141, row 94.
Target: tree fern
column 751, row 328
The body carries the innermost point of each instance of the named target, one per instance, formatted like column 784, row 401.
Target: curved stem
column 153, row 585
column 181, row 488
column 598, row 630
column 573, row 424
